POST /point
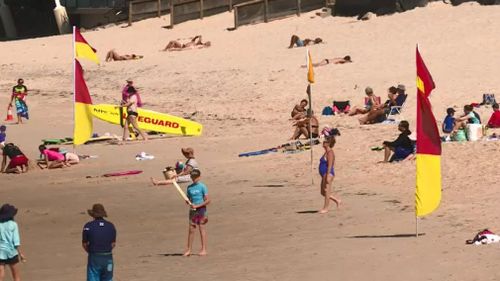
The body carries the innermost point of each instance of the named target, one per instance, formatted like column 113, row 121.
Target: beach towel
column 21, row 108
column 484, row 237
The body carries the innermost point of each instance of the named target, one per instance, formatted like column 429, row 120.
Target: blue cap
column 3, row 128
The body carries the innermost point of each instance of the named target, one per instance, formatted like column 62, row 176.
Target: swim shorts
column 198, row 216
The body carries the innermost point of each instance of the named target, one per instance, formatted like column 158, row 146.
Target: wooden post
column 298, row 7
column 230, row 5
column 130, row 13
column 159, row 8
column 266, row 10
column 201, row 9
column 236, row 23
column 171, row 13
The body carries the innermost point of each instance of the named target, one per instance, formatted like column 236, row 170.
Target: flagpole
column 74, row 85
column 310, row 113
column 416, row 226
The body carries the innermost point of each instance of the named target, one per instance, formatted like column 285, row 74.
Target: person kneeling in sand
column 195, row 43
column 182, row 172
column 346, row 59
column 18, row 161
column 51, row 159
column 302, row 127
column 112, row 55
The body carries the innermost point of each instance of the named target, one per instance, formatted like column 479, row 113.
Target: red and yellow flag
column 310, row 70
column 83, row 126
column 83, row 50
column 428, row 181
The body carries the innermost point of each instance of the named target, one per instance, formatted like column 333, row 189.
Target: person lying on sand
column 302, row 127
column 299, row 110
column 112, row 55
column 346, row 59
column 296, row 41
column 195, row 43
column 18, row 162
column 371, row 101
column 402, row 146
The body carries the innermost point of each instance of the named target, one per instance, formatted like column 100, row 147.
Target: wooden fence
column 256, row 11
column 245, row 11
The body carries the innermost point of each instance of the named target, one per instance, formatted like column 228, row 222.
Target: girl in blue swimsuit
column 327, row 173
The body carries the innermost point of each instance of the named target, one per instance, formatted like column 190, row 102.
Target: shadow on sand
column 308, row 212
column 412, row 235
column 172, row 255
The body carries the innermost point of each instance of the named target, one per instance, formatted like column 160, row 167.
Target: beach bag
column 341, row 106
column 327, row 110
column 489, row 99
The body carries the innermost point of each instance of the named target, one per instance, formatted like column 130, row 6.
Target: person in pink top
column 51, row 159
column 125, row 94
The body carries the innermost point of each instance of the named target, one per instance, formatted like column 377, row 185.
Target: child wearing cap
column 197, row 193
column 449, row 121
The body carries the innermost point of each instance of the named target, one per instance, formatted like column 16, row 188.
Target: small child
column 449, row 121
column 3, row 136
column 494, row 121
column 10, row 252
column 198, row 195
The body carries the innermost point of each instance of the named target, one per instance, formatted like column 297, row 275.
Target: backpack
column 488, row 99
column 327, row 111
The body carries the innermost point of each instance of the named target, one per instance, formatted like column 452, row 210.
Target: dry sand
column 243, row 89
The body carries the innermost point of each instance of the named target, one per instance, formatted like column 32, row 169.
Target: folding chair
column 396, row 109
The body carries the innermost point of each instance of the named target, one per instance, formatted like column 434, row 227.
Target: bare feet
column 202, row 253
column 153, row 181
column 323, row 211
column 187, row 254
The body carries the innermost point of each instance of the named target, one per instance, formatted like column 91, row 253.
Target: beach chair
column 396, row 109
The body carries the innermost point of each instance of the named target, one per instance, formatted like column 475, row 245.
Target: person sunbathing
column 378, row 112
column 112, row 55
column 370, row 101
column 195, row 43
column 346, row 59
column 296, row 41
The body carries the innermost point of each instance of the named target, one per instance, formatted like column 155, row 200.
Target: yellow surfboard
column 149, row 120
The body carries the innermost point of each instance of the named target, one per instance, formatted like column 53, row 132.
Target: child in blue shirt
column 449, row 121
column 198, row 195
column 3, row 136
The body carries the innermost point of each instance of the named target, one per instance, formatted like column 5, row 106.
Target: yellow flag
column 310, row 70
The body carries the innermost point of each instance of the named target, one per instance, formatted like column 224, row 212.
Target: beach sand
column 262, row 224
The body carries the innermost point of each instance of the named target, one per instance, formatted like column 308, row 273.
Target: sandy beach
column 262, row 224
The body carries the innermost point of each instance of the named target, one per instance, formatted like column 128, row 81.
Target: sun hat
column 129, row 80
column 401, row 87
column 7, row 212
column 97, row 211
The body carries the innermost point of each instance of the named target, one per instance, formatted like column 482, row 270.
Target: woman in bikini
column 131, row 105
column 346, row 59
column 295, row 40
column 371, row 101
column 195, row 43
column 327, row 173
column 112, row 55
